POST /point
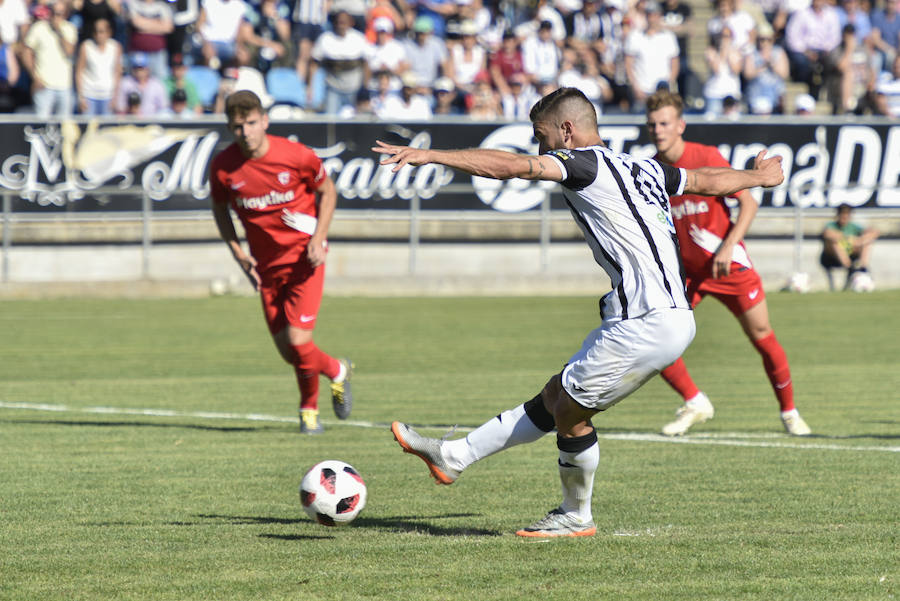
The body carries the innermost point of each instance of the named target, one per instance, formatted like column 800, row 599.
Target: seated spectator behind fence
column 408, row 105
column 766, row 71
column 178, row 80
column 426, row 53
column 811, row 36
column 146, row 87
column 847, row 245
column 98, row 70
column 887, row 91
column 268, row 33
column 724, row 61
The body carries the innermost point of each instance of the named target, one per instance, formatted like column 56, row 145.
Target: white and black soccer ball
column 333, row 493
column 861, row 281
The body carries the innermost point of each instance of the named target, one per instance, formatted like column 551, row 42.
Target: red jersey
column 702, row 222
column 274, row 196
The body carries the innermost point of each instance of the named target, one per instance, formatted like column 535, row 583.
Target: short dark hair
column 844, row 208
column 664, row 98
column 571, row 100
column 241, row 104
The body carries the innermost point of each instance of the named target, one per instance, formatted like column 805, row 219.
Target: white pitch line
column 731, row 439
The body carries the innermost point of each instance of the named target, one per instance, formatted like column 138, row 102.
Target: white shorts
column 619, row 356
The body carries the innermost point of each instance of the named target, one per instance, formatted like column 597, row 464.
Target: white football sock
column 510, row 428
column 576, row 473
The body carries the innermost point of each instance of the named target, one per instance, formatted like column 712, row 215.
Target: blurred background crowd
column 415, row 59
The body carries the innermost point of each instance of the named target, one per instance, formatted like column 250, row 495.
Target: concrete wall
column 378, row 269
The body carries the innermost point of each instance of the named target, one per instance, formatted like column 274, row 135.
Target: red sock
column 309, row 362
column 678, row 378
column 777, row 368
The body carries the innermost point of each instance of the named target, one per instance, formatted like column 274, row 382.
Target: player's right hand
column 770, row 169
column 248, row 265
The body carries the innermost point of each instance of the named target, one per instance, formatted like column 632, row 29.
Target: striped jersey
column 621, row 205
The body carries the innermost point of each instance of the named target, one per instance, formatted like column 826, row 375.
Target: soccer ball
column 799, row 282
column 861, row 281
column 332, row 493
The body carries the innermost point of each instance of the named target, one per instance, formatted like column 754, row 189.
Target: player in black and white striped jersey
column 621, row 205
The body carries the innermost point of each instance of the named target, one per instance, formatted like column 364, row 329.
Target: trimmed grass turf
column 117, row 506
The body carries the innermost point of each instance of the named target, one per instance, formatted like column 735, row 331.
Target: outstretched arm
column 484, row 162
column 724, row 181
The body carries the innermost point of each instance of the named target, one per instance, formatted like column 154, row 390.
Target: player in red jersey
column 716, row 263
column 285, row 200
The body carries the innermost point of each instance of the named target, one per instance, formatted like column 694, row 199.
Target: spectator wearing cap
column 467, row 58
column 446, row 98
column 98, row 70
column 541, row 55
column 383, row 9
column 804, row 105
column 426, row 53
column 386, row 53
column 178, row 80
column 149, row 22
column 766, row 71
column 178, row 105
column 341, row 54
column 436, row 11
column 811, row 36
column 409, row 105
column 887, row 91
column 219, row 26
column 521, row 97
column 49, row 48
column 267, row 33
column 506, row 62
column 651, row 57
column 140, row 82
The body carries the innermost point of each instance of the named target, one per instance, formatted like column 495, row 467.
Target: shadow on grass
column 419, row 524
column 134, row 424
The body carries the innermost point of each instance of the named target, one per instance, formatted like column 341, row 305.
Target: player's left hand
column 317, row 251
column 401, row 155
column 769, row 168
column 722, row 263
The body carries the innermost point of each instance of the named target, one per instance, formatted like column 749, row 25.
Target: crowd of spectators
column 413, row 59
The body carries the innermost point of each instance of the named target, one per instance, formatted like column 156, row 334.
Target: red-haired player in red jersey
column 716, row 263
column 285, row 200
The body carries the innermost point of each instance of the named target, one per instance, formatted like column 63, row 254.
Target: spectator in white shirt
column 541, row 55
column 219, row 25
column 651, row 57
column 409, row 105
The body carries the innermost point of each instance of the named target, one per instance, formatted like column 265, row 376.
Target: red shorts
column 739, row 291
column 292, row 295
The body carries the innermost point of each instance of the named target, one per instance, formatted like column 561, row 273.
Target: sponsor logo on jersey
column 266, row 200
column 689, row 208
column 284, row 178
column 562, row 155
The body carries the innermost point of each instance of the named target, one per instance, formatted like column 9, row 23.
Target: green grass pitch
column 131, row 469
